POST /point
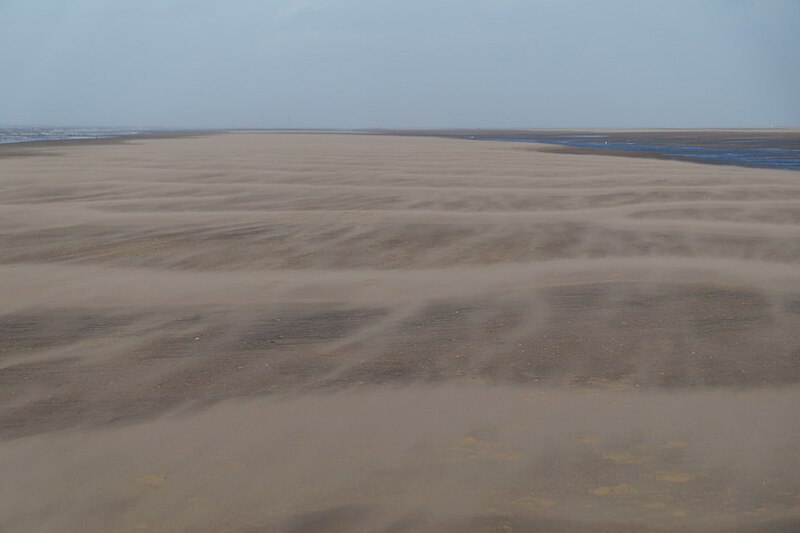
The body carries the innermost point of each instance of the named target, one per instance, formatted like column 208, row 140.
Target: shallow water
column 763, row 152
column 36, row 134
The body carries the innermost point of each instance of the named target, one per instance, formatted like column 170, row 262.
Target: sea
column 768, row 149
column 35, row 134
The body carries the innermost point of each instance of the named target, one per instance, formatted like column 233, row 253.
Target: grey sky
column 400, row 63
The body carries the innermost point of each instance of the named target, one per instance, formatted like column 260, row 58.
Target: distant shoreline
column 22, row 147
column 777, row 149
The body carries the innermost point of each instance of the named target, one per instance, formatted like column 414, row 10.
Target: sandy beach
column 303, row 333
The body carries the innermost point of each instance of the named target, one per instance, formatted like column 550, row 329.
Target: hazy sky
column 400, row 63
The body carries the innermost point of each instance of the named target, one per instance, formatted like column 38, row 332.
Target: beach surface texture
column 335, row 333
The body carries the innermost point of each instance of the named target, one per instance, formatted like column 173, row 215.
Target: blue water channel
column 754, row 152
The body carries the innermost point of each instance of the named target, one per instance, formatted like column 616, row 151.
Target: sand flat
column 334, row 332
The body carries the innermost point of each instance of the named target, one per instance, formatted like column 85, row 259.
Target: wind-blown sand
column 335, row 333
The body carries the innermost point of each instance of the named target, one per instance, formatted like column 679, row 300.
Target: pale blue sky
column 400, row 63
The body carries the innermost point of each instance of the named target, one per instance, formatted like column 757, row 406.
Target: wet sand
column 307, row 332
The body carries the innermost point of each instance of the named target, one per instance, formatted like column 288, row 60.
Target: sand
column 341, row 333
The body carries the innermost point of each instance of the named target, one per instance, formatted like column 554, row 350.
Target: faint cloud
column 295, row 8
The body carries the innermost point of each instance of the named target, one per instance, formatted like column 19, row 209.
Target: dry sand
column 305, row 333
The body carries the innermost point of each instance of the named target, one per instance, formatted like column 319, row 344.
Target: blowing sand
column 304, row 333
